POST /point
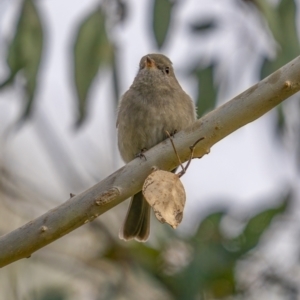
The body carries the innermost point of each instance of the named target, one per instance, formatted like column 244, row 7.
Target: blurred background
column 64, row 66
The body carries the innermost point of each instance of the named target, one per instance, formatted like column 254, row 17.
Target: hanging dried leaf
column 165, row 193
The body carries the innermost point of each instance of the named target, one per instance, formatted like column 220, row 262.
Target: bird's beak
column 149, row 63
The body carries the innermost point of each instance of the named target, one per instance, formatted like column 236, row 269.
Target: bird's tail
column 137, row 221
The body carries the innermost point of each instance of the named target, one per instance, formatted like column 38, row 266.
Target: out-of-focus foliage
column 282, row 22
column 162, row 13
column 202, row 266
column 50, row 293
column 207, row 92
column 92, row 51
column 209, row 259
column 25, row 50
column 202, row 26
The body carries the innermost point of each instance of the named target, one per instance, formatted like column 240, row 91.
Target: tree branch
column 128, row 180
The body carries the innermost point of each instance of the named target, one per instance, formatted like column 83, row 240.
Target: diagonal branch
column 128, row 180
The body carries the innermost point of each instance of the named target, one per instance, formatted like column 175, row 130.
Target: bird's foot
column 141, row 154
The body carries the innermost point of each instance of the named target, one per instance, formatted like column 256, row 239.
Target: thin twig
column 171, row 138
column 191, row 157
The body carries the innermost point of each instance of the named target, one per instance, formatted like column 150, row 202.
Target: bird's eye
column 167, row 70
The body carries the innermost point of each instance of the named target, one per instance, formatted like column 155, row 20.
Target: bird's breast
column 145, row 117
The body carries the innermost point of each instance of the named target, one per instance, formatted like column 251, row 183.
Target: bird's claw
column 141, row 154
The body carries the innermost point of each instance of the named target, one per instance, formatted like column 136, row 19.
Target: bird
column 154, row 103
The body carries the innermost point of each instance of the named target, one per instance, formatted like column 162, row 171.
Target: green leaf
column 48, row 293
column 269, row 12
column 257, row 225
column 207, row 92
column 146, row 256
column 162, row 10
column 116, row 72
column 92, row 50
column 282, row 22
column 208, row 229
column 25, row 51
column 211, row 270
column 137, row 253
column 281, row 122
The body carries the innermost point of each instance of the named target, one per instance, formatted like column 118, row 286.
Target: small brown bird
column 154, row 103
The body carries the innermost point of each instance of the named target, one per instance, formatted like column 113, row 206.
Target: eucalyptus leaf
column 258, row 224
column 92, row 50
column 211, row 270
column 282, row 22
column 280, row 120
column 162, row 12
column 25, row 51
column 207, row 92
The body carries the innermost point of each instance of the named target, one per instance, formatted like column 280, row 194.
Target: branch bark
column 85, row 207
